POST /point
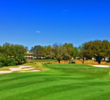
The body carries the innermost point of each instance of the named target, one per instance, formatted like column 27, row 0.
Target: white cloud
column 65, row 11
column 37, row 31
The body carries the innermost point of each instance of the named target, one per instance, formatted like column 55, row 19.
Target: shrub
column 2, row 61
column 20, row 59
column 1, row 64
column 10, row 62
column 7, row 61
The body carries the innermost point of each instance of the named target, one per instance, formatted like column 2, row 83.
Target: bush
column 20, row 59
column 10, row 62
column 7, row 61
column 1, row 64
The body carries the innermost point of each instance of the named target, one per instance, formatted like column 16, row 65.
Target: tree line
column 59, row 52
column 11, row 54
column 93, row 49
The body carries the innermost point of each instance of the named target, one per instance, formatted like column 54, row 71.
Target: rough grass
column 60, row 82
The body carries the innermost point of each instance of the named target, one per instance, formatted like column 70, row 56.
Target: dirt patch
column 90, row 62
column 78, row 62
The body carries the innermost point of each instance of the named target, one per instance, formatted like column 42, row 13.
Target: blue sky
column 46, row 22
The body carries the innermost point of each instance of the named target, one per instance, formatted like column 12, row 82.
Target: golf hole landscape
column 54, row 49
column 56, row 82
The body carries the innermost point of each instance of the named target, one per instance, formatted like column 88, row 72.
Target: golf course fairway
column 59, row 82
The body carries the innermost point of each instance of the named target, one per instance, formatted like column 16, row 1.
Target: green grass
column 50, row 60
column 59, row 82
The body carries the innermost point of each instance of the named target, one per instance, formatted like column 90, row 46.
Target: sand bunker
column 101, row 65
column 20, row 69
column 2, row 72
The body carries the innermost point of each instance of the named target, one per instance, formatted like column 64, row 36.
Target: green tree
column 17, row 49
column 68, row 51
column 58, row 52
column 20, row 59
column 82, row 52
column 5, row 49
column 9, row 52
column 94, row 49
column 76, row 52
column 106, row 49
column 49, row 53
column 39, row 51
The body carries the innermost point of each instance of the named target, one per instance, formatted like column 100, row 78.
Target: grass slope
column 61, row 82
